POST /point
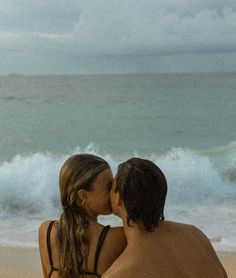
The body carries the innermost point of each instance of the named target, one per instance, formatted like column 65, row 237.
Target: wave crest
column 29, row 184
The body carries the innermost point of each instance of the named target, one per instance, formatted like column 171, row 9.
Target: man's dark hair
column 143, row 188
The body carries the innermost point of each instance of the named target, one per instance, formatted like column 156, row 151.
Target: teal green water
column 118, row 113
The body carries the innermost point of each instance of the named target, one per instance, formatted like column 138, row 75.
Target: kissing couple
column 146, row 246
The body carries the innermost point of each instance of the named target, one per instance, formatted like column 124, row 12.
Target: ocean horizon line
column 116, row 73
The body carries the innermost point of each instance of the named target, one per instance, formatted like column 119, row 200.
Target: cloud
column 38, row 16
column 110, row 28
column 145, row 28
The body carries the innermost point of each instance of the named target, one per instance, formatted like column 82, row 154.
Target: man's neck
column 135, row 234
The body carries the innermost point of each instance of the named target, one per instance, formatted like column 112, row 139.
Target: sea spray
column 29, row 184
column 199, row 192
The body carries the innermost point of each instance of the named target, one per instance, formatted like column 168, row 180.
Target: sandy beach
column 25, row 263
column 19, row 263
column 228, row 260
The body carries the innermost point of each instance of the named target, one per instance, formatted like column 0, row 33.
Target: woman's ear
column 82, row 195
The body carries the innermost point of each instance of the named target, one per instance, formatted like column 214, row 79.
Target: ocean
column 185, row 123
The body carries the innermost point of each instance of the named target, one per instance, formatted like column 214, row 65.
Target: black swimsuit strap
column 98, row 250
column 52, row 268
column 99, row 247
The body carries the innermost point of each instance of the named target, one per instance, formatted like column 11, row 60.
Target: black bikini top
column 98, row 250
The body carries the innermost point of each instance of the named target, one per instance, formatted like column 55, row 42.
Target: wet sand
column 25, row 263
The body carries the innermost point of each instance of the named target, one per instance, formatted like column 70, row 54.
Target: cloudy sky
column 73, row 36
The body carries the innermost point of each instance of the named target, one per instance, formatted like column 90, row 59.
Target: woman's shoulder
column 43, row 228
column 47, row 244
column 44, row 232
column 46, row 223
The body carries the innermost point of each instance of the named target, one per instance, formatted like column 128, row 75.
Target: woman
column 77, row 245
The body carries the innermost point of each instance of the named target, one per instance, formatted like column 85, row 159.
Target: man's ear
column 82, row 195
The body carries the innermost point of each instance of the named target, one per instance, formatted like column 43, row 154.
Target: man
column 156, row 248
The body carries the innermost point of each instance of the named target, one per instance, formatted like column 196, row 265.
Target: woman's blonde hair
column 78, row 172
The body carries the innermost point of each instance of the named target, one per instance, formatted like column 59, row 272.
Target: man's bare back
column 156, row 248
column 172, row 250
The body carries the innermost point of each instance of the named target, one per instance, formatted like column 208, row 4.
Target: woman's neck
column 91, row 215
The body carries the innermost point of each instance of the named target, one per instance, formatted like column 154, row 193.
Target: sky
column 117, row 36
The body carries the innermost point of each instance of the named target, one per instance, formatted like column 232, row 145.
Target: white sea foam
column 200, row 192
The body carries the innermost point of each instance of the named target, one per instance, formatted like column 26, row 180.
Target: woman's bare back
column 112, row 247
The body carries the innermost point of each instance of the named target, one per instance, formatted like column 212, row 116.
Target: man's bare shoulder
column 179, row 225
column 117, row 238
column 117, row 231
column 118, row 272
column 185, row 227
column 126, row 266
column 196, row 232
column 112, row 275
